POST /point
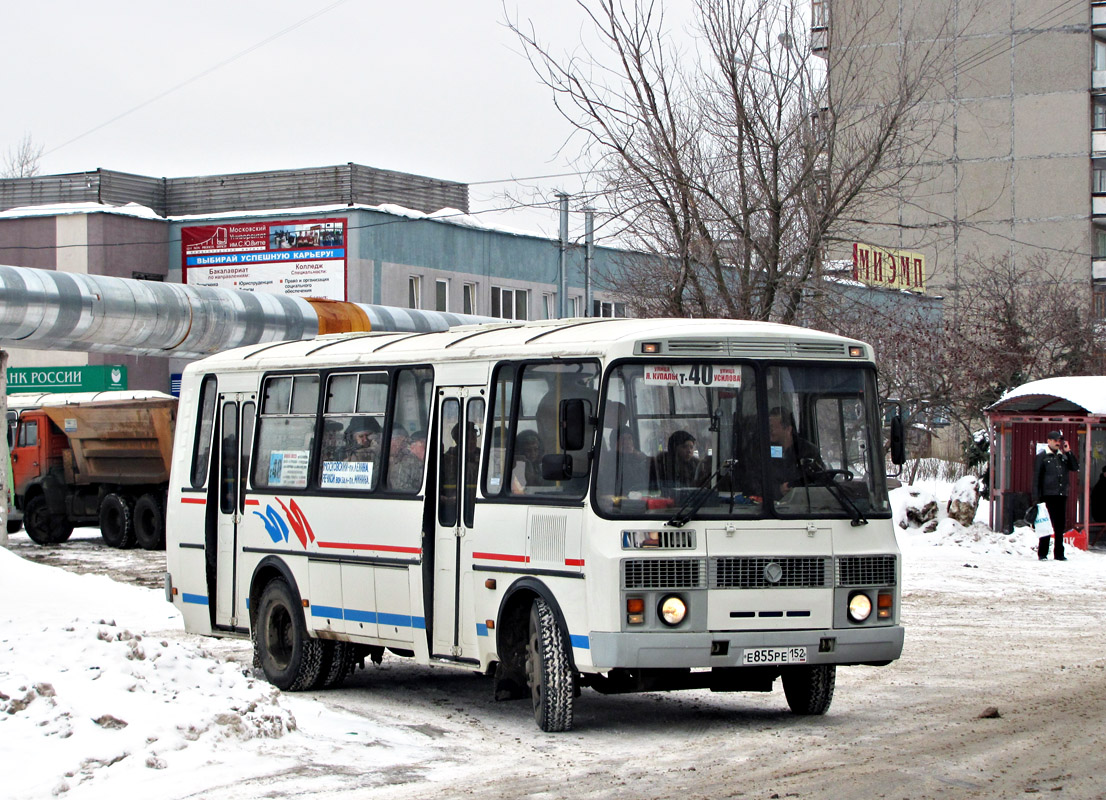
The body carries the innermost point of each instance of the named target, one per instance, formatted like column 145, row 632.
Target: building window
column 509, row 303
column 1100, row 242
column 604, row 308
column 441, row 295
column 414, row 292
column 1099, row 296
column 575, row 306
column 549, row 305
column 1099, row 120
column 469, row 298
column 1098, row 177
column 818, row 13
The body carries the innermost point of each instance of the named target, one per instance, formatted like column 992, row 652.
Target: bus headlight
column 860, row 607
column 672, row 610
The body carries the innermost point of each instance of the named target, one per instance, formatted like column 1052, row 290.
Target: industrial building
column 346, row 232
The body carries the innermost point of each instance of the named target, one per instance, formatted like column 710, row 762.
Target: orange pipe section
column 338, row 317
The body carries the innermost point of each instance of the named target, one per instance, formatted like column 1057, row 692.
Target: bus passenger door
column 458, row 467
column 236, row 421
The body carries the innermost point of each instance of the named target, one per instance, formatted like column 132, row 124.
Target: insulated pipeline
column 50, row 310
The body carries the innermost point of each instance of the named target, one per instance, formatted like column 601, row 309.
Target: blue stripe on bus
column 580, row 641
column 198, row 599
column 481, row 629
column 370, row 617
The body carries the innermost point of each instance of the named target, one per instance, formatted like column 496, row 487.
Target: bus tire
column 549, row 671
column 43, row 526
column 117, row 521
column 290, row 659
column 338, row 661
column 149, row 522
column 809, row 689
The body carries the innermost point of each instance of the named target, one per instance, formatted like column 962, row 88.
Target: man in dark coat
column 1050, row 486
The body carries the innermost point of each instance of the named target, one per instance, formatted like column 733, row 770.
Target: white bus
column 625, row 505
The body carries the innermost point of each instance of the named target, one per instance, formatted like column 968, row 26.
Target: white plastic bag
column 1042, row 524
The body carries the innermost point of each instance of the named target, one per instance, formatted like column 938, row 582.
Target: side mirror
column 556, row 467
column 898, row 441
column 574, row 418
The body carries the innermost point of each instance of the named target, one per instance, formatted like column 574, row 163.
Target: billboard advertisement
column 889, row 269
column 299, row 257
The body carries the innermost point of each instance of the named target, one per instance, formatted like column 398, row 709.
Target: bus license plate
column 773, row 655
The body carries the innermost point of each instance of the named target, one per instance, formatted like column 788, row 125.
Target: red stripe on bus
column 501, row 557
column 384, row 548
column 574, row 562
column 253, row 502
column 197, row 500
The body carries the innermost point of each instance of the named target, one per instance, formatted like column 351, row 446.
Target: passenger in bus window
column 527, row 471
column 791, row 457
column 405, row 471
column 678, row 466
column 363, row 437
column 334, row 443
column 631, row 466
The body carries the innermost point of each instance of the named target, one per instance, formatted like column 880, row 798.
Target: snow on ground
column 103, row 695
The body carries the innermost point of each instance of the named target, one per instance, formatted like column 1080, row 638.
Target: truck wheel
column 289, row 657
column 149, row 523
column 15, row 525
column 42, row 526
column 117, row 521
column 549, row 671
column 809, row 690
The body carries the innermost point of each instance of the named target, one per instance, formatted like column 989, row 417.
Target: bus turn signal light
column 885, row 605
column 635, row 610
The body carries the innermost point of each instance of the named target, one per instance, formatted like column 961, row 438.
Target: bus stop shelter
column 1019, row 423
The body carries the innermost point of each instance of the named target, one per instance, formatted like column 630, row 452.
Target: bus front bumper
column 873, row 645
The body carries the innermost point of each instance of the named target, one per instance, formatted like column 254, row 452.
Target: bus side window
column 499, row 423
column 201, row 449
column 286, row 432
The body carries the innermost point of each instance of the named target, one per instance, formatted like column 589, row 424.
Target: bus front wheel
column 809, row 689
column 549, row 671
column 289, row 657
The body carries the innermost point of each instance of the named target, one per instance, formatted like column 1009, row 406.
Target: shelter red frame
column 1076, row 407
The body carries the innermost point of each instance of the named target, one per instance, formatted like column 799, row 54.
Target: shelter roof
column 1072, row 395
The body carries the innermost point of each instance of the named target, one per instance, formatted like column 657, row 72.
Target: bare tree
column 1006, row 323
column 740, row 162
column 22, row 161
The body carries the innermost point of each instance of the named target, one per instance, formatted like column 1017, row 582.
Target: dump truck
column 101, row 462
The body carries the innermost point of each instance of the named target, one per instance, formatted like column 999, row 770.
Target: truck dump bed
column 121, row 441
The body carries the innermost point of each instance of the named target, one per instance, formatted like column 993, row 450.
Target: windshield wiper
column 697, row 498
column 825, row 478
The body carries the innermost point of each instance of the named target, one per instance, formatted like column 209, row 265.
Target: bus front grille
column 765, row 572
column 663, row 573
column 866, row 571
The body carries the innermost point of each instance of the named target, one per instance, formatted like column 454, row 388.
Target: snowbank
column 102, row 693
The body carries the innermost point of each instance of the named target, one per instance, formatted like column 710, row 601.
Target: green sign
column 67, row 379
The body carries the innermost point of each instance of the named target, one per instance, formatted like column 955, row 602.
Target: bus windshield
column 741, row 440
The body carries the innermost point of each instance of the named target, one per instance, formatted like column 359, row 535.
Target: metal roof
column 1074, row 395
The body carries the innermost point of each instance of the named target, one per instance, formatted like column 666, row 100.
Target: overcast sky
column 436, row 88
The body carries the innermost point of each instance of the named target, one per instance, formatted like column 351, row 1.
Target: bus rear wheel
column 549, row 671
column 809, row 690
column 289, row 657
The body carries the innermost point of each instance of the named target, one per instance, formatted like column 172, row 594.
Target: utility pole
column 589, row 256
column 562, row 294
